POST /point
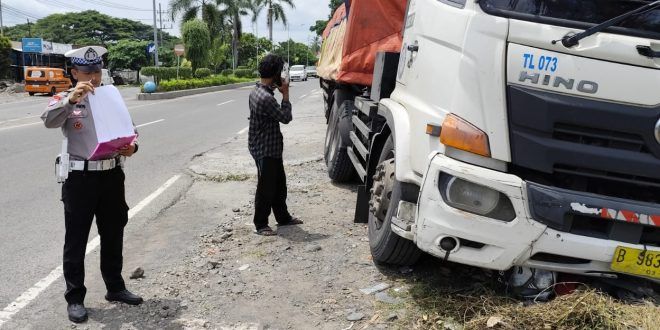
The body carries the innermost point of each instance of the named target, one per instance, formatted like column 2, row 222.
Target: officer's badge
column 78, row 125
column 91, row 55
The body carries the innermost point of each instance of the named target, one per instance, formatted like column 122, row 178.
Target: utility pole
column 155, row 36
column 29, row 28
column 160, row 13
column 288, row 45
column 2, row 27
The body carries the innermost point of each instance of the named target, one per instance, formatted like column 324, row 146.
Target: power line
column 60, row 4
column 17, row 11
column 115, row 5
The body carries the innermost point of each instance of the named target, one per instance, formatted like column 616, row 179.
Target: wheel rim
column 381, row 193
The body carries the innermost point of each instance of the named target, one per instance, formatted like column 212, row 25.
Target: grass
column 453, row 296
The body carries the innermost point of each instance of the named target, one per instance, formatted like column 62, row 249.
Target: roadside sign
column 32, row 45
column 179, row 49
column 151, row 48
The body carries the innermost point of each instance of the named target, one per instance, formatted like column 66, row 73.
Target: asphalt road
column 31, row 214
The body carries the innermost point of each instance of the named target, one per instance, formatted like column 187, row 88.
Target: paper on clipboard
column 112, row 122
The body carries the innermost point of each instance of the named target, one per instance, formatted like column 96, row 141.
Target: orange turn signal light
column 460, row 134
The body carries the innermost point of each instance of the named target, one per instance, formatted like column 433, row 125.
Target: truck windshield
column 580, row 14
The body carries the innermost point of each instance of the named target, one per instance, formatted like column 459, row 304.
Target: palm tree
column 233, row 10
column 275, row 12
column 192, row 8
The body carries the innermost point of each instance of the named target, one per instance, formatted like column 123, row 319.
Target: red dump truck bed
column 350, row 42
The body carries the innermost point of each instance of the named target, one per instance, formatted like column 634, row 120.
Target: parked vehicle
column 500, row 133
column 46, row 80
column 311, row 71
column 106, row 79
column 298, row 72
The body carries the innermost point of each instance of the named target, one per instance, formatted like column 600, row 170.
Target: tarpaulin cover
column 331, row 50
column 372, row 26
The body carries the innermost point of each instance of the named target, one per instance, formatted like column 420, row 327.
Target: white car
column 298, row 72
column 311, row 71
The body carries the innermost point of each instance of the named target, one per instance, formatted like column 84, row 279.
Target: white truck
column 506, row 133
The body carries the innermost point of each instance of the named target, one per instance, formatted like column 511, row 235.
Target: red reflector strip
column 630, row 216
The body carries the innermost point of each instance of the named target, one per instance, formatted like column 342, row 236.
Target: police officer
column 93, row 188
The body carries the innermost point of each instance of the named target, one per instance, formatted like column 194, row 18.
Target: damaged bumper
column 552, row 229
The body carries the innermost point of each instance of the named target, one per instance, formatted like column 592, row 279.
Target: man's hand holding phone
column 284, row 89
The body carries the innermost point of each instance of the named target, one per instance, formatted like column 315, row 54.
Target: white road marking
column 17, row 119
column 149, row 123
column 302, row 97
column 32, row 293
column 223, row 103
column 17, row 126
column 243, row 130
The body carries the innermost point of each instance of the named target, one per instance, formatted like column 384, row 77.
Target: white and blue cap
column 89, row 58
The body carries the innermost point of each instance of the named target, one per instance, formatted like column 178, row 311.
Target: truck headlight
column 475, row 198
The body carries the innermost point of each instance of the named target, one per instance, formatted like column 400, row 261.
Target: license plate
column 636, row 262
column 35, row 85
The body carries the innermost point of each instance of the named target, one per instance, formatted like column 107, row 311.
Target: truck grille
column 584, row 145
column 600, row 138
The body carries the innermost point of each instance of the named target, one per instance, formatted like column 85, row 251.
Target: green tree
column 233, row 10
column 275, row 12
column 248, row 49
column 128, row 54
column 192, row 9
column 299, row 53
column 83, row 28
column 197, row 40
column 220, row 57
column 5, row 61
column 320, row 25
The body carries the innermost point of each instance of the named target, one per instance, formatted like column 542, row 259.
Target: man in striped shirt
column 266, row 145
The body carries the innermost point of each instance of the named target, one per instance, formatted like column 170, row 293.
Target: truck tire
column 386, row 246
column 53, row 91
column 340, row 168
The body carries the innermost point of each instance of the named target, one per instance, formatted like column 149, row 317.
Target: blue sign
column 151, row 48
column 32, row 45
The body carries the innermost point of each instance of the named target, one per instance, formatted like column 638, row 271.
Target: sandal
column 293, row 221
column 266, row 231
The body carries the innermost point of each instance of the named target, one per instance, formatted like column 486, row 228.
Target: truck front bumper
column 494, row 244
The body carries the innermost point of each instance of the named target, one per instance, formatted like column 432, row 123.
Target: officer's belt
column 95, row 165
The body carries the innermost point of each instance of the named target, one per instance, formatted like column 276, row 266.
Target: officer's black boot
column 124, row 296
column 77, row 312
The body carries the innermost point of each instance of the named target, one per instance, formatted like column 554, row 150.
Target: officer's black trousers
column 85, row 195
column 271, row 192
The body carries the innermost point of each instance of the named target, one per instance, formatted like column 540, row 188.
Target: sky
column 300, row 18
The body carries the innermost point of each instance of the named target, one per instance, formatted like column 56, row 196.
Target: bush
column 255, row 74
column 166, row 73
column 243, row 73
column 227, row 72
column 241, row 67
column 202, row 73
column 175, row 85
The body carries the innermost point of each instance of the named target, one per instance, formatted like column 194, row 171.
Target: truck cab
column 514, row 138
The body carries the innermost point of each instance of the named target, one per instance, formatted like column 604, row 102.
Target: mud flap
column 362, row 205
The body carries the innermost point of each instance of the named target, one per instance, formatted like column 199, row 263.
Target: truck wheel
column 386, row 246
column 53, row 91
column 340, row 167
column 31, row 93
